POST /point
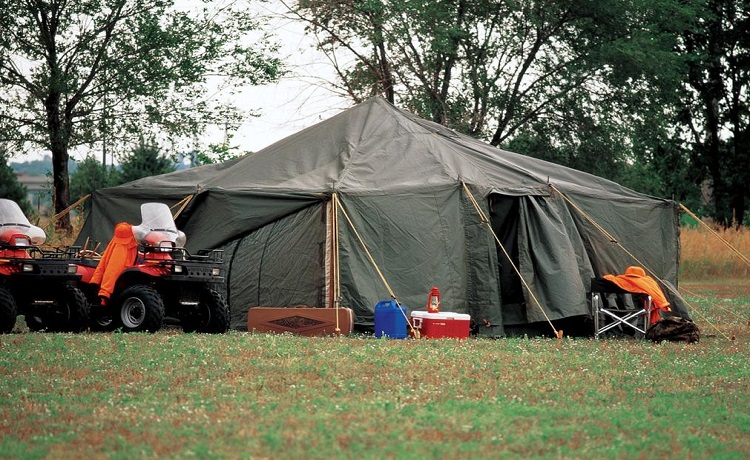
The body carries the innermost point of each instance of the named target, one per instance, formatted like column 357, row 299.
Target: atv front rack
column 214, row 256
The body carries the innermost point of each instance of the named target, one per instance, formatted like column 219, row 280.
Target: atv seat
column 618, row 311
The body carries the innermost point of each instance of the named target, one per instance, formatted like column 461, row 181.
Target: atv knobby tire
column 139, row 309
column 73, row 309
column 211, row 315
column 102, row 319
column 68, row 313
column 34, row 322
column 8, row 311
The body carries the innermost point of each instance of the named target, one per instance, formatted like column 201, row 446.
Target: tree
column 589, row 85
column 218, row 153
column 489, row 68
column 99, row 72
column 143, row 161
column 90, row 175
column 10, row 187
column 716, row 105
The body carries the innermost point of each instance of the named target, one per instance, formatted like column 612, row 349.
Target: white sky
column 297, row 101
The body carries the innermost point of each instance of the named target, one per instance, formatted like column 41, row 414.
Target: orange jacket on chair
column 635, row 280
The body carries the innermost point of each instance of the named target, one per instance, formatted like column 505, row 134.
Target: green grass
column 174, row 395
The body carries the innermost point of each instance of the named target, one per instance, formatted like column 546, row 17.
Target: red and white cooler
column 441, row 325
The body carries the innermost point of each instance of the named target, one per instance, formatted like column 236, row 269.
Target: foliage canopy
column 103, row 72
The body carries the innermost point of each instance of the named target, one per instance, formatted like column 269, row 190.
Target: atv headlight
column 215, row 271
column 21, row 241
column 165, row 246
column 27, row 268
column 72, row 269
column 178, row 268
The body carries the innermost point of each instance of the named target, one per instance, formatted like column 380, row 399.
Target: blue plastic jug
column 390, row 320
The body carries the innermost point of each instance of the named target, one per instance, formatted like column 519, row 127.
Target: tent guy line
column 713, row 232
column 340, row 207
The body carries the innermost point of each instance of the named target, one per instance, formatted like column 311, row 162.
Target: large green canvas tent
column 406, row 187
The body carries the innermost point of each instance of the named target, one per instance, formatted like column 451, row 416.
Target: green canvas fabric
column 552, row 261
column 415, row 240
column 644, row 228
column 279, row 264
column 402, row 180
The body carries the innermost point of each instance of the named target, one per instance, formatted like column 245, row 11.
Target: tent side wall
column 114, row 205
column 558, row 249
column 216, row 217
column 281, row 264
column 419, row 240
column 647, row 229
column 552, row 260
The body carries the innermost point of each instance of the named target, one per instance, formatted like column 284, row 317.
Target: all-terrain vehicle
column 37, row 283
column 146, row 276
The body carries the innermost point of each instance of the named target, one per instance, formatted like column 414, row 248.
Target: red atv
column 145, row 277
column 39, row 284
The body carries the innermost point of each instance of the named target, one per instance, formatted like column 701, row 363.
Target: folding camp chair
column 615, row 309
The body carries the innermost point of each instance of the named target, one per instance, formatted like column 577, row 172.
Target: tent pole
column 335, row 258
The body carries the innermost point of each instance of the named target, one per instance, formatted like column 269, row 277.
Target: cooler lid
column 441, row 315
column 460, row 316
column 427, row 315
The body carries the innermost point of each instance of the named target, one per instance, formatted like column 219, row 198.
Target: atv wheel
column 211, row 314
column 71, row 313
column 101, row 321
column 34, row 322
column 8, row 311
column 140, row 309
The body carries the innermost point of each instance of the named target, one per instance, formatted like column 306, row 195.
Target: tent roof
column 376, row 148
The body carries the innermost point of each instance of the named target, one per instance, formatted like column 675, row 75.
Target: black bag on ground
column 674, row 329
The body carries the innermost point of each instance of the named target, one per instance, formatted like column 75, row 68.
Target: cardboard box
column 441, row 325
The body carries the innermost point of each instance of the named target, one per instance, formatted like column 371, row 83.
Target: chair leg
column 595, row 306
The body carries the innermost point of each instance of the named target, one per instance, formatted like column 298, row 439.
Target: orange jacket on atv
column 121, row 253
column 636, row 280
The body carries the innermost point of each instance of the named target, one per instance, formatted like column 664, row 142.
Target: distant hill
column 39, row 167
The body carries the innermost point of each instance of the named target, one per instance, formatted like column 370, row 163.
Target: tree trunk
column 440, row 95
column 61, row 187
column 59, row 120
column 737, row 206
column 385, row 72
column 59, row 149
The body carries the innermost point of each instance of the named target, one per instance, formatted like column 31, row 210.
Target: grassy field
column 175, row 395
column 239, row 395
